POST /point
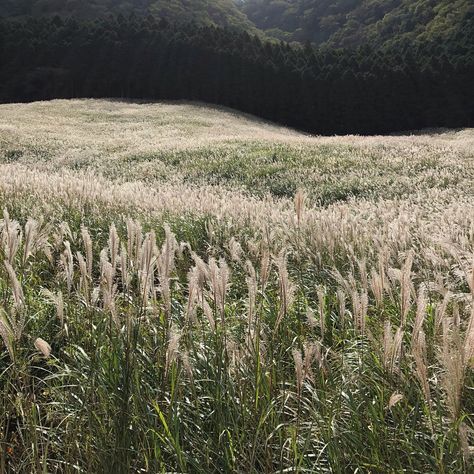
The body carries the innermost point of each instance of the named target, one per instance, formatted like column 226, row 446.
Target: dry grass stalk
column 300, row 199
column 114, row 245
column 219, row 275
column 207, row 310
column 18, row 297
column 172, row 350
column 84, row 281
column 194, row 292
column 109, row 288
column 303, row 364
column 360, row 303
column 7, row 332
column 406, row 288
column 67, row 264
column 286, row 290
column 87, row 241
column 341, row 299
column 362, row 265
column 146, row 261
column 418, row 350
column 376, row 286
column 392, row 348
column 165, row 264
column 235, row 250
column 58, row 301
column 321, row 294
column 11, row 237
column 251, row 280
column 265, row 265
column 468, row 346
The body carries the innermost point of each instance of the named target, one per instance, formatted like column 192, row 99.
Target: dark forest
column 365, row 90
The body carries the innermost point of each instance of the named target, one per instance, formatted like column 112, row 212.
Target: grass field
column 187, row 289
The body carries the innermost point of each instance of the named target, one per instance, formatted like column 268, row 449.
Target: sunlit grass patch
column 175, row 300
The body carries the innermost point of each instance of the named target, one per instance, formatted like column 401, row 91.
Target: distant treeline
column 321, row 91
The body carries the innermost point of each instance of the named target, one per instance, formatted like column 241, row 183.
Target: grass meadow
column 186, row 289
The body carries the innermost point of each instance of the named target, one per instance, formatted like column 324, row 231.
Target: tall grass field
column 187, row 289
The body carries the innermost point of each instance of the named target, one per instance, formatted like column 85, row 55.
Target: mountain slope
column 337, row 23
column 352, row 22
column 220, row 12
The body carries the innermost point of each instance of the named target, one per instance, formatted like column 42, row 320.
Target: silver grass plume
column 58, row 301
column 418, row 351
column 341, row 299
column 18, row 297
column 11, row 237
column 235, row 250
column 421, row 305
column 126, row 277
column 219, row 276
column 7, row 332
column 147, row 264
column 376, row 286
column 406, row 288
column 360, row 304
column 452, row 377
column 395, row 398
column 392, row 347
column 264, row 267
column 67, row 264
column 321, row 293
column 109, row 288
column 43, row 347
column 286, row 289
column 440, row 311
column 251, row 280
column 173, row 346
column 36, row 240
column 303, row 364
column 194, row 292
column 87, row 241
column 114, row 245
column 134, row 242
column 207, row 310
column 300, row 199
column 165, row 266
column 12, row 325
column 84, row 283
column 31, row 230
column 468, row 347
column 362, row 265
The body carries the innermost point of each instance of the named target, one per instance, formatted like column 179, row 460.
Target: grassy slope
column 205, row 145
column 351, row 351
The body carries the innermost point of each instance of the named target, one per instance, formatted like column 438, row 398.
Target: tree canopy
column 218, row 12
column 363, row 90
column 354, row 22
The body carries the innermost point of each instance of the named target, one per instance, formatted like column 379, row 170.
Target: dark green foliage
column 219, row 12
column 368, row 90
column 355, row 22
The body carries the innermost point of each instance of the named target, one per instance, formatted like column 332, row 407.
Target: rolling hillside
column 220, row 12
column 197, row 144
column 353, row 22
column 334, row 23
